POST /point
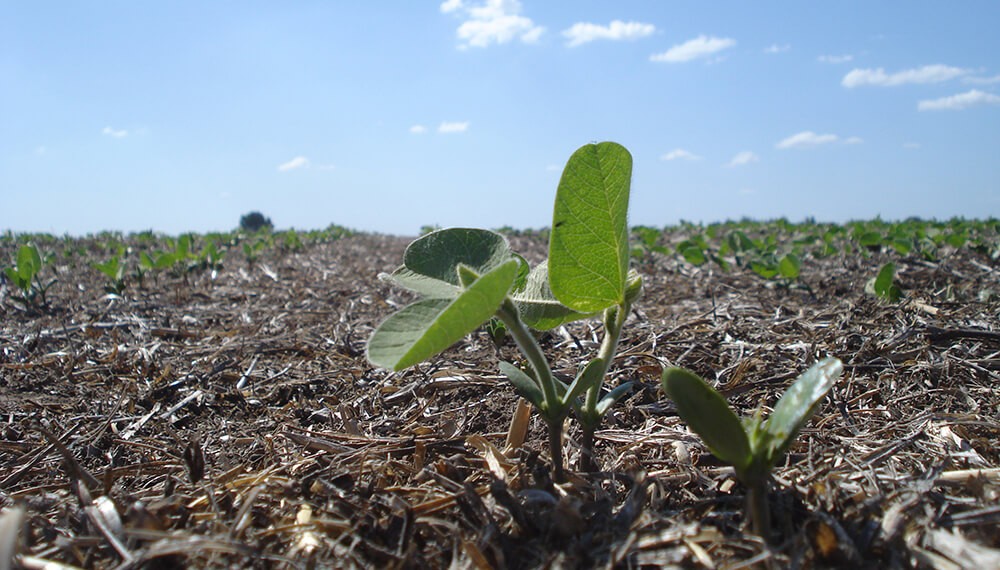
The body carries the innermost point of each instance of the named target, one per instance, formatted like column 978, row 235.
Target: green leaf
column 633, row 287
column 588, row 245
column 885, row 286
column 438, row 254
column 789, row 266
column 591, row 375
column 538, row 307
column 706, row 411
column 429, row 326
column 693, row 255
column 796, row 406
column 524, row 384
column 611, row 397
column 29, row 263
column 422, row 284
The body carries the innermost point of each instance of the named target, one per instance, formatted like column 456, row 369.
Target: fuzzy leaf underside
column 422, row 284
column 797, row 405
column 538, row 307
column 438, row 254
column 708, row 415
column 588, row 245
column 429, row 326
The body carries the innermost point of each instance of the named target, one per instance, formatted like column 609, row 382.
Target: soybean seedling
column 469, row 276
column 24, row 274
column 754, row 446
column 114, row 270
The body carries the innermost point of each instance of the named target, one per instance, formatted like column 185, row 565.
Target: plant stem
column 614, row 320
column 554, row 412
column 757, row 506
column 555, row 449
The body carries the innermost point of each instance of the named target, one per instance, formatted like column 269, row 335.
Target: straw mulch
column 234, row 422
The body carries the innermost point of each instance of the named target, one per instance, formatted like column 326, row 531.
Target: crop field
column 209, row 401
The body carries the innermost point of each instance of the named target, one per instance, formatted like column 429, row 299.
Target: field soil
column 233, row 421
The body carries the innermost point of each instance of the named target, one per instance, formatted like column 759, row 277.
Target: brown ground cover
column 234, row 422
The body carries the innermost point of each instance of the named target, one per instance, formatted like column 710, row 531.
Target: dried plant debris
column 226, row 416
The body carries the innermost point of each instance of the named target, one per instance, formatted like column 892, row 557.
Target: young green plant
column 467, row 277
column 752, row 447
column 25, row 276
column 114, row 270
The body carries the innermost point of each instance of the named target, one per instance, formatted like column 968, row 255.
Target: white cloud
column 492, row 22
column 702, row 46
column 854, row 140
column 418, row 129
column 584, row 32
column 680, row 154
column 743, row 157
column 297, row 162
column 451, row 5
column 927, row 74
column 116, row 133
column 911, row 145
column 835, row 59
column 982, row 80
column 777, row 48
column 959, row 102
column 806, row 139
column 456, row 127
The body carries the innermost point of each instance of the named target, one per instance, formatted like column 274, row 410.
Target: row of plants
column 129, row 259
column 775, row 248
column 467, row 278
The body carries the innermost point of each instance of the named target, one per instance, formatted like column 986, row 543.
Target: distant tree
column 254, row 222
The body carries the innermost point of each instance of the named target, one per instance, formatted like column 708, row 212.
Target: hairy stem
column 757, row 506
column 614, row 320
column 554, row 412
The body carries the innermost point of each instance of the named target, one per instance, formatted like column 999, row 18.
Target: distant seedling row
column 774, row 250
column 127, row 261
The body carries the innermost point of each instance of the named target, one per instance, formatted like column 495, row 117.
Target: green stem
column 555, row 449
column 554, row 411
column 614, row 321
column 757, row 506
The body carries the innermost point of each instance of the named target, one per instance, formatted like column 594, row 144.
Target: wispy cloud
column 927, row 74
column 807, row 139
column 680, row 154
column 958, row 102
column 835, row 59
column 584, row 32
column 911, row 145
column 491, row 22
column 455, row 127
column 777, row 48
column 982, row 80
column 743, row 157
column 297, row 162
column 116, row 133
column 700, row 47
column 418, row 129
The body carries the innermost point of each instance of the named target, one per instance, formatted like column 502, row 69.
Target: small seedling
column 754, row 446
column 114, row 270
column 469, row 276
column 25, row 276
column 884, row 284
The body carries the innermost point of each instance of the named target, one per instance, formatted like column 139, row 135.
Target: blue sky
column 389, row 115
